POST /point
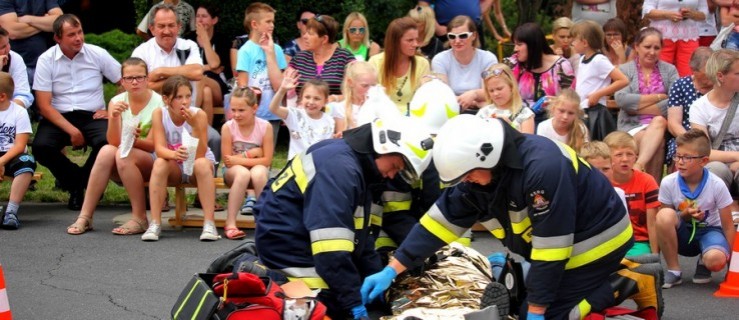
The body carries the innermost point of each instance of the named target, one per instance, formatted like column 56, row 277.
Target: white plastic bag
column 127, row 135
column 191, row 144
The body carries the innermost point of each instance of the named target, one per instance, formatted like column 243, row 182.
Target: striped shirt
column 332, row 73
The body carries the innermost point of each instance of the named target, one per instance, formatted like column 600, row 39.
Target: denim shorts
column 706, row 238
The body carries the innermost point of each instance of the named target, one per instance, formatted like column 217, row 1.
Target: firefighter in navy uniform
column 312, row 220
column 541, row 201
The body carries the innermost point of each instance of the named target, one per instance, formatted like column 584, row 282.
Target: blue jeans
column 706, row 238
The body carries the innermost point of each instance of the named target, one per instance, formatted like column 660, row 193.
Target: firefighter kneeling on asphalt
column 544, row 203
column 312, row 220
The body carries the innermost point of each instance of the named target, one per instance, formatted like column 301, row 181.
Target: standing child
column 565, row 124
column 260, row 60
column 504, row 100
column 359, row 77
column 308, row 123
column 247, row 153
column 695, row 218
column 596, row 77
column 168, row 124
column 641, row 192
column 15, row 128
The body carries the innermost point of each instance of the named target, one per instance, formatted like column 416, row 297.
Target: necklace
column 400, row 89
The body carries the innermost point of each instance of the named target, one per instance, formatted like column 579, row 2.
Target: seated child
column 695, row 218
column 133, row 170
column 598, row 155
column 308, row 123
column 504, row 100
column 168, row 126
column 15, row 129
column 565, row 121
column 246, row 143
column 641, row 192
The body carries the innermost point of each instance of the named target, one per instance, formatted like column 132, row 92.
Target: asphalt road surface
column 52, row 275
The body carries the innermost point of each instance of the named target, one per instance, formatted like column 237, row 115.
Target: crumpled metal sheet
column 454, row 281
column 432, row 314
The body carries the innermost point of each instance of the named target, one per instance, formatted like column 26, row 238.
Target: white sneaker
column 209, row 232
column 152, row 233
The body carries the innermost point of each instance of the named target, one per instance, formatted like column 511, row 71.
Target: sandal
column 78, row 228
column 131, row 227
column 233, row 233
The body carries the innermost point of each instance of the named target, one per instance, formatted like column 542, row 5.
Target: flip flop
column 131, row 227
column 78, row 228
column 233, row 233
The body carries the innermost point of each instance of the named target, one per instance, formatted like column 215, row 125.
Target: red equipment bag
column 247, row 296
column 649, row 313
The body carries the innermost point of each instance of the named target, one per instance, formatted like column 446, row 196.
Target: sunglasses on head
column 461, row 35
column 359, row 30
column 492, row 73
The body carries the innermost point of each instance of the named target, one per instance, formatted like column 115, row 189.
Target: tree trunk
column 630, row 12
column 527, row 10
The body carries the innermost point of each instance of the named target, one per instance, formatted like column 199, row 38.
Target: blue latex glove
column 359, row 312
column 534, row 316
column 376, row 284
column 497, row 259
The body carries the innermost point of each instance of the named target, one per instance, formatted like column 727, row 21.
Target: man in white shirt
column 12, row 63
column 167, row 55
column 69, row 94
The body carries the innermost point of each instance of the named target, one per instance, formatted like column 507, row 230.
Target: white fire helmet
column 434, row 103
column 465, row 143
column 406, row 137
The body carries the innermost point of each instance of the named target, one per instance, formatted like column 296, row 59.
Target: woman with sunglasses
column 356, row 37
column 400, row 69
column 133, row 170
column 292, row 47
column 426, row 22
column 462, row 64
column 322, row 58
column 539, row 72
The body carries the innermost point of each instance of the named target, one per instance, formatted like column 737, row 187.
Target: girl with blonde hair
column 504, row 100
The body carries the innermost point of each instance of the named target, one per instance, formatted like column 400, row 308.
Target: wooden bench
column 181, row 219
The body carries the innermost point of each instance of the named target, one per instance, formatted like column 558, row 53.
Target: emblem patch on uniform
column 538, row 201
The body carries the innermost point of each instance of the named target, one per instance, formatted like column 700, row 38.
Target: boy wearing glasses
column 641, row 192
column 695, row 217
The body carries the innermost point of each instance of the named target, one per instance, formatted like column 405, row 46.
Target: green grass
column 45, row 191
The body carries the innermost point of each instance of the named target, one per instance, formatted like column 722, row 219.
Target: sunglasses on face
column 461, row 35
column 357, row 30
column 492, row 73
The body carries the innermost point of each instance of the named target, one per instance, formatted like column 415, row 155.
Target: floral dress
column 533, row 86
